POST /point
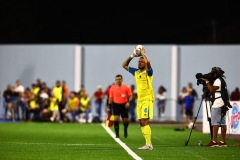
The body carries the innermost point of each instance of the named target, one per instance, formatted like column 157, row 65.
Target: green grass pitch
column 53, row 141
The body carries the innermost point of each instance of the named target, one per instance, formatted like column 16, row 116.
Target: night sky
column 118, row 23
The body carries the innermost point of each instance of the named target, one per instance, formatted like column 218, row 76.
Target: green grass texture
column 67, row 141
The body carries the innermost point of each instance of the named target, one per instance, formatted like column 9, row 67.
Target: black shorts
column 189, row 112
column 120, row 110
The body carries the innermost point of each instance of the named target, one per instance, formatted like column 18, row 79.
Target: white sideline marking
column 129, row 151
column 59, row 144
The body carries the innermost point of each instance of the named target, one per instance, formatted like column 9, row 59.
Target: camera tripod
column 195, row 119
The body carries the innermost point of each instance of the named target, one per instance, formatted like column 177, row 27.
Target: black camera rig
column 210, row 78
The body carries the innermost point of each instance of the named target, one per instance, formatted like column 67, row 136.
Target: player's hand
column 143, row 51
column 134, row 54
column 127, row 105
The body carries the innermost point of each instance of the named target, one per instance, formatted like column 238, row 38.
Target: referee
column 119, row 96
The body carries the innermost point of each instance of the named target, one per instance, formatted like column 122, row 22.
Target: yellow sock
column 147, row 134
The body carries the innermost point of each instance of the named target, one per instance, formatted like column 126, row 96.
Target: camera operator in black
column 217, row 118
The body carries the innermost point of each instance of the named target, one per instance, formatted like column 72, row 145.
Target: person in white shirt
column 218, row 119
column 19, row 101
column 161, row 101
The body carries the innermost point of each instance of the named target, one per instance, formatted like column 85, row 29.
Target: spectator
column 58, row 94
column 33, row 109
column 182, row 94
column 39, row 83
column 72, row 107
column 98, row 100
column 65, row 94
column 46, row 88
column 52, row 111
column 194, row 92
column 35, row 89
column 27, row 97
column 161, row 101
column 106, row 93
column 81, row 91
column 45, row 110
column 44, row 94
column 19, row 101
column 43, row 101
column 188, row 101
column 8, row 105
column 235, row 95
column 85, row 106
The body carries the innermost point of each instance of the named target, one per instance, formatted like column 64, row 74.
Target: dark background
column 119, row 22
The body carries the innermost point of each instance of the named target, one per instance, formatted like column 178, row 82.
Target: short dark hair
column 119, row 75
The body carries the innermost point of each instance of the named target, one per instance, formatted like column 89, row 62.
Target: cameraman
column 217, row 118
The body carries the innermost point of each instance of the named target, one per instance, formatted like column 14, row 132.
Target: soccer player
column 119, row 96
column 143, row 76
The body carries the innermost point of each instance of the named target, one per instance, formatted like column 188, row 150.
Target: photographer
column 218, row 108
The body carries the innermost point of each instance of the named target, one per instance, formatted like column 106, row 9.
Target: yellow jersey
column 85, row 103
column 72, row 103
column 58, row 93
column 36, row 90
column 53, row 104
column 144, row 85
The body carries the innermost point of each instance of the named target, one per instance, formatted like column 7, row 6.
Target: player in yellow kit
column 143, row 76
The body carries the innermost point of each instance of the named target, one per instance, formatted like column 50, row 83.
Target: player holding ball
column 143, row 76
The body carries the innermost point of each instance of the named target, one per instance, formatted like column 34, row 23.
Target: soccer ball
column 190, row 125
column 138, row 49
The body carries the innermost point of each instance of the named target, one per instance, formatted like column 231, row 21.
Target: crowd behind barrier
column 42, row 103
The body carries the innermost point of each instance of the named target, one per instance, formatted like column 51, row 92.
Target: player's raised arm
column 126, row 62
column 147, row 61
